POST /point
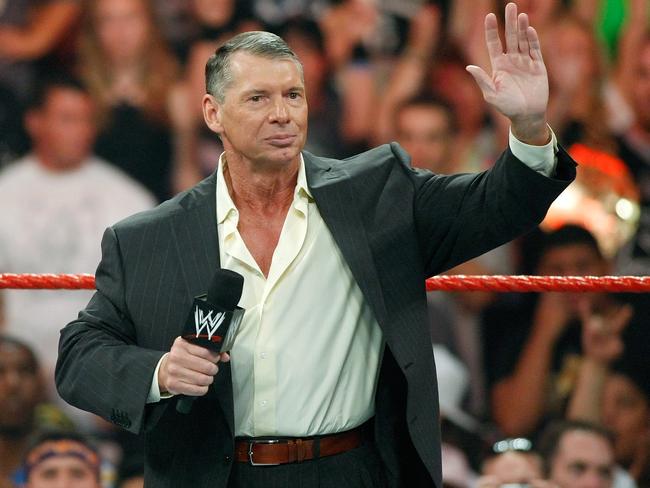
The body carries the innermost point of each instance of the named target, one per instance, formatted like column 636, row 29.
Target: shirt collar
column 225, row 205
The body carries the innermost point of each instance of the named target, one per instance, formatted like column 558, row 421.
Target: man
column 578, row 455
column 514, row 466
column 332, row 376
column 22, row 408
column 62, row 460
column 56, row 202
column 424, row 126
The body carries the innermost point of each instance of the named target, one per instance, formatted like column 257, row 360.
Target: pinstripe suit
column 394, row 225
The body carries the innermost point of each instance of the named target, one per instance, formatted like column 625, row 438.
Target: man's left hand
column 518, row 87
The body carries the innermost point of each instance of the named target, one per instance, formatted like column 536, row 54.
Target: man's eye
column 294, row 95
column 256, row 98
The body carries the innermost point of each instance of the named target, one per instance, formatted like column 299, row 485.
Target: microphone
column 214, row 319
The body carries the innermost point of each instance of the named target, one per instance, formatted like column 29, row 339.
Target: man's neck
column 265, row 189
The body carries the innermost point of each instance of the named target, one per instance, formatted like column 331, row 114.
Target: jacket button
column 227, row 459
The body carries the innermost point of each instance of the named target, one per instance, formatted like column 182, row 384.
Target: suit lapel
column 331, row 187
column 194, row 230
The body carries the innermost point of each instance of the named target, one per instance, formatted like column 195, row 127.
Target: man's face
column 641, row 88
column 263, row 118
column 573, row 260
column 20, row 389
column 424, row 132
column 583, row 460
column 62, row 472
column 63, row 130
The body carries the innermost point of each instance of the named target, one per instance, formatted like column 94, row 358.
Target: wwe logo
column 208, row 322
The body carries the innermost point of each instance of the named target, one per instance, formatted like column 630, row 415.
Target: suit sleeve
column 100, row 368
column 459, row 217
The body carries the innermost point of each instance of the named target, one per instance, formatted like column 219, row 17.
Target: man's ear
column 212, row 112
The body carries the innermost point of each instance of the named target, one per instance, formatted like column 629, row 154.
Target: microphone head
column 225, row 289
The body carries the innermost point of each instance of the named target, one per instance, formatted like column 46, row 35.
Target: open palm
column 518, row 86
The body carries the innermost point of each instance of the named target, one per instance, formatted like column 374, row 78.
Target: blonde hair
column 159, row 68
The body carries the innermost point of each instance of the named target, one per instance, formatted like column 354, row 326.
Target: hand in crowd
column 518, row 87
column 189, row 369
column 601, row 334
column 552, row 315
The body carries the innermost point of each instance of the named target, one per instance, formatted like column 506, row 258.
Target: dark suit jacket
column 395, row 226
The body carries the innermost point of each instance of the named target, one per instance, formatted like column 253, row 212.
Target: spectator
column 56, row 203
column 535, row 348
column 29, row 30
column 580, row 455
column 22, row 408
column 619, row 399
column 62, row 459
column 513, row 463
column 129, row 72
column 626, row 412
column 425, row 127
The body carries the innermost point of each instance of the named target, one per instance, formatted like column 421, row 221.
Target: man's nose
column 279, row 112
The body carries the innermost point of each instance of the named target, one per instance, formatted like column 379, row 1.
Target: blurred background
column 100, row 117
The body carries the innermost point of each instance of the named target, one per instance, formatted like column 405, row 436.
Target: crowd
column 100, row 117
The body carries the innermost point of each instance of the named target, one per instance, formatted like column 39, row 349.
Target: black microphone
column 214, row 319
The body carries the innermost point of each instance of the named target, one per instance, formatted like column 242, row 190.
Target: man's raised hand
column 518, row 87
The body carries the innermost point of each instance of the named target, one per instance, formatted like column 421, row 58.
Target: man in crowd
column 332, row 379
column 56, row 202
column 578, row 455
column 62, row 460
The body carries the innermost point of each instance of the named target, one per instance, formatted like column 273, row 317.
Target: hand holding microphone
column 190, row 366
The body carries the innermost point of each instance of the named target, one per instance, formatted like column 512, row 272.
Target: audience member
column 534, row 347
column 580, row 455
column 129, row 72
column 513, row 463
column 619, row 399
column 62, row 459
column 22, row 408
column 56, row 203
column 425, row 126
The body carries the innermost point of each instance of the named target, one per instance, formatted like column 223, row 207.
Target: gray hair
column 218, row 76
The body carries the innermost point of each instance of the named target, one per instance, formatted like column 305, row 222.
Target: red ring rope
column 633, row 284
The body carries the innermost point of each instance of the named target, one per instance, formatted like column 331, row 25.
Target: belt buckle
column 260, row 441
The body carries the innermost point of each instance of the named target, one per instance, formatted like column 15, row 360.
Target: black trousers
column 357, row 468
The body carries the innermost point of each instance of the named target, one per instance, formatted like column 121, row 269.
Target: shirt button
column 263, row 355
column 263, row 403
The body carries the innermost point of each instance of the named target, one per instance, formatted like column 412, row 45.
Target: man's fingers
column 484, row 82
column 522, row 35
column 512, row 44
column 179, row 362
column 180, row 388
column 194, row 350
column 535, row 46
column 495, row 49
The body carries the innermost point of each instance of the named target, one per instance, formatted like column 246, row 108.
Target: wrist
column 532, row 130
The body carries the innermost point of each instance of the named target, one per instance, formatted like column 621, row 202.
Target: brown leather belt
column 270, row 452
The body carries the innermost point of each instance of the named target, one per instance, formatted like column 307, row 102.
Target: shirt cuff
column 542, row 159
column 154, row 392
